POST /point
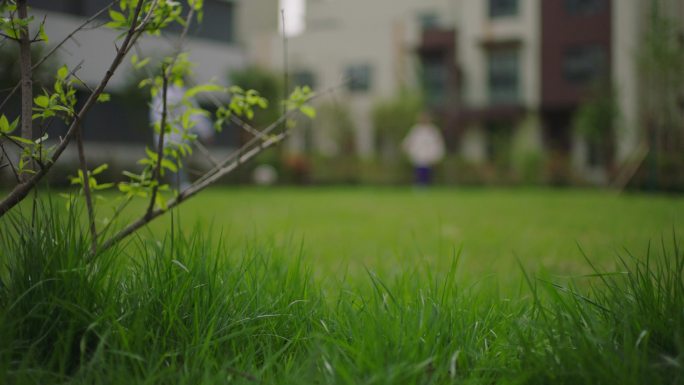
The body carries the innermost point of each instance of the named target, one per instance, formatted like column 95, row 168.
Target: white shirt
column 424, row 145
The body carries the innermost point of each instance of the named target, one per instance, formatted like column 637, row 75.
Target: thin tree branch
column 13, row 141
column 206, row 153
column 55, row 48
column 264, row 133
column 238, row 153
column 119, row 209
column 9, row 161
column 9, row 37
column 86, row 190
column 20, row 191
column 245, row 126
column 192, row 191
column 156, row 175
column 251, row 149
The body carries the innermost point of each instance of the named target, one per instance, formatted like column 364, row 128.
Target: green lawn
column 345, row 229
column 184, row 311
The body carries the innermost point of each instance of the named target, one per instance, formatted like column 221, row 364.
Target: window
column 435, row 79
column 503, row 8
column 428, row 20
column 91, row 7
column 303, row 78
column 67, row 6
column 584, row 64
column 218, row 23
column 584, row 7
column 359, row 78
column 503, row 76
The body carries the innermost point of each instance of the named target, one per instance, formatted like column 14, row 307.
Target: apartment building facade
column 528, row 66
column 505, row 77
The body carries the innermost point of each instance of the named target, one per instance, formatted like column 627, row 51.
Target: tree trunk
column 26, row 81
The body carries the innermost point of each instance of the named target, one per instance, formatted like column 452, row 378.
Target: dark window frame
column 360, row 77
column 303, row 77
column 503, row 8
column 584, row 63
column 498, row 75
column 435, row 78
column 585, row 7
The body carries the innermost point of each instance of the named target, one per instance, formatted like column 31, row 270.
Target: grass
column 197, row 308
column 392, row 230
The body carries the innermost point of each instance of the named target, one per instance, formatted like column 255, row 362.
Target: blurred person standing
column 200, row 125
column 424, row 147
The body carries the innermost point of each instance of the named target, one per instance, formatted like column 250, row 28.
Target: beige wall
column 475, row 28
column 627, row 24
column 257, row 23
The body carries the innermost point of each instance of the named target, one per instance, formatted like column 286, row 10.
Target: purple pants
column 423, row 175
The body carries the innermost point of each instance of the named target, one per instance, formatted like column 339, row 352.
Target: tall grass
column 190, row 310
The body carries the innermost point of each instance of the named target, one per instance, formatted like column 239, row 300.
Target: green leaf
column 103, row 186
column 42, row 139
column 42, row 101
column 100, row 169
column 124, row 187
column 308, row 111
column 4, row 124
column 169, row 165
column 62, row 72
column 104, row 97
column 144, row 83
column 42, row 34
column 133, row 176
column 117, row 16
column 203, row 88
column 160, row 202
column 20, row 139
column 142, row 63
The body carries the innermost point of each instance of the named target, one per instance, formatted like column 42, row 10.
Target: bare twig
column 242, row 124
column 156, row 175
column 206, row 153
column 20, row 191
column 55, row 48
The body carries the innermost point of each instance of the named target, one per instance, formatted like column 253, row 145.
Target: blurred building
column 527, row 66
column 216, row 47
column 372, row 44
column 506, row 78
